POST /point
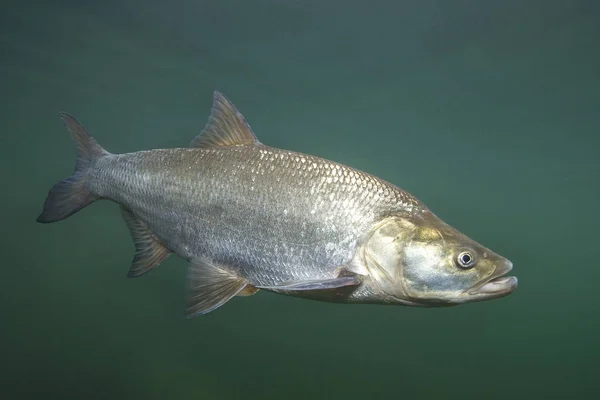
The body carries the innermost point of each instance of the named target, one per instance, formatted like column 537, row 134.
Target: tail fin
column 71, row 194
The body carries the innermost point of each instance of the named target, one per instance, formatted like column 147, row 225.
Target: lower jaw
column 503, row 284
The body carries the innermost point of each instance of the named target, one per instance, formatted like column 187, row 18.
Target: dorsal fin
column 226, row 126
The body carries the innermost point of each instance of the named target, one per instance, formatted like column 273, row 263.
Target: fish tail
column 71, row 194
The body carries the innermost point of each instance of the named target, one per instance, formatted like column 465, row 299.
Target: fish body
column 248, row 216
column 270, row 214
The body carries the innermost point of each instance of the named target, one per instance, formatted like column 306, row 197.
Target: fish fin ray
column 71, row 194
column 323, row 284
column 248, row 290
column 149, row 251
column 209, row 287
column 226, row 126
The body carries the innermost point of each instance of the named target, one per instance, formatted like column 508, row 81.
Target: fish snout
column 497, row 284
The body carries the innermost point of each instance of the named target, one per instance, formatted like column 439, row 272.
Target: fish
column 250, row 217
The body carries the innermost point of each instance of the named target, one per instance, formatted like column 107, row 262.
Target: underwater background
column 487, row 111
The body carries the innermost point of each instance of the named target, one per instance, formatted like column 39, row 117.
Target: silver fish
column 249, row 217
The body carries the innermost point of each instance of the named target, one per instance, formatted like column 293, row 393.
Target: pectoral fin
column 323, row 284
column 149, row 251
column 209, row 287
column 249, row 290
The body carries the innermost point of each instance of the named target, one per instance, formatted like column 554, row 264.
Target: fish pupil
column 465, row 260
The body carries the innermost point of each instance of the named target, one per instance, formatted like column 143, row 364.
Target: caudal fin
column 71, row 194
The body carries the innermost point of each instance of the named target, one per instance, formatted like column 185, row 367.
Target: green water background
column 487, row 111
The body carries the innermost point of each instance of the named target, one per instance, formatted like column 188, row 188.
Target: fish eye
column 466, row 260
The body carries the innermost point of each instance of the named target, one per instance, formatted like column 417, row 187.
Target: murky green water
column 487, row 111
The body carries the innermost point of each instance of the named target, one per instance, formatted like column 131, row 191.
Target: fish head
column 420, row 260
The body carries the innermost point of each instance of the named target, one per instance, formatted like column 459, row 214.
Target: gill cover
column 383, row 253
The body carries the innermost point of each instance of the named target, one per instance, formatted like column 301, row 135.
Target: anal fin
column 149, row 251
column 209, row 287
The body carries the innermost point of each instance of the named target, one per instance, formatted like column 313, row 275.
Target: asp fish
column 248, row 216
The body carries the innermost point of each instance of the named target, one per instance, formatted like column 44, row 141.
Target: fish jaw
column 499, row 284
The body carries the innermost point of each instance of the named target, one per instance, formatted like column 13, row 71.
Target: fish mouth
column 501, row 285
column 497, row 285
